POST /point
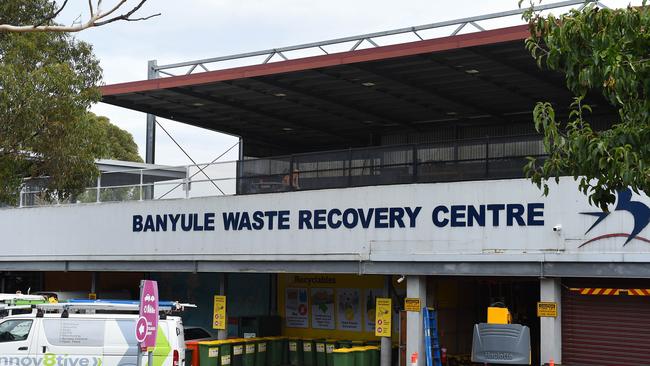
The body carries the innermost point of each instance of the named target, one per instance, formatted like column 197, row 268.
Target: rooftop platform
column 359, row 97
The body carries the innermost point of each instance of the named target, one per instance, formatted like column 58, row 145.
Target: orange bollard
column 551, row 362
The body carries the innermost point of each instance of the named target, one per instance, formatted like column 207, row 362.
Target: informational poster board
column 322, row 308
column 296, row 308
column 219, row 312
column 349, row 309
column 383, row 317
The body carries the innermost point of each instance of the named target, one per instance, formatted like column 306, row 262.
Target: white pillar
column 550, row 289
column 416, row 287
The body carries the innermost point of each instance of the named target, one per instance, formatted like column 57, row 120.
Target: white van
column 52, row 339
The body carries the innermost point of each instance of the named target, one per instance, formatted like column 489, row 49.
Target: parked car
column 193, row 333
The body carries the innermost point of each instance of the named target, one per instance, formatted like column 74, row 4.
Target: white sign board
column 475, row 221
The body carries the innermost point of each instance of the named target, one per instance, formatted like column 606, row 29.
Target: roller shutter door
column 605, row 330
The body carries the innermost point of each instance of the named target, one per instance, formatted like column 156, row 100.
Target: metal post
column 414, row 161
column 93, row 283
column 152, row 73
column 239, row 180
column 150, row 149
column 139, row 359
column 99, row 185
column 223, row 333
column 291, row 187
column 20, row 196
column 141, row 182
column 149, row 358
column 487, row 156
column 386, row 345
column 349, row 167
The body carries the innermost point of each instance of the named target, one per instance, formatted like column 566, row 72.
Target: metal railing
column 340, row 44
column 446, row 161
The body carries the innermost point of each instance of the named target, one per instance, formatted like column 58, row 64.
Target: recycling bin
column 250, row 352
column 373, row 353
column 321, row 356
column 192, row 353
column 215, row 353
column 330, row 346
column 274, row 352
column 308, row 352
column 344, row 357
column 285, row 350
column 296, row 352
column 237, row 351
column 260, row 354
column 361, row 356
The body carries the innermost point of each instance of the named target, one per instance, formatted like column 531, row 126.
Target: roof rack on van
column 14, row 307
column 22, row 299
column 76, row 305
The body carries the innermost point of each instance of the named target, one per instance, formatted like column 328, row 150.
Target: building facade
column 393, row 171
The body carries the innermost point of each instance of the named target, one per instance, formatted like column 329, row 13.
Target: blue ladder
column 431, row 342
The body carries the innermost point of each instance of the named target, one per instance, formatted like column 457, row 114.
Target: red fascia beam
column 371, row 54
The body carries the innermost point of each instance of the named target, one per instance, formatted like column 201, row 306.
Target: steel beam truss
column 370, row 40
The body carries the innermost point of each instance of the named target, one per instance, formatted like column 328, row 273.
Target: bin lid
column 214, row 343
column 344, row 350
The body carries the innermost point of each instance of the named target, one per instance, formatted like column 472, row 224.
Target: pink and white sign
column 148, row 312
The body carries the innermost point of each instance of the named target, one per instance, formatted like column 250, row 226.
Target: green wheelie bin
column 237, row 351
column 361, row 356
column 330, row 346
column 250, row 351
column 344, row 357
column 274, row 351
column 308, row 352
column 285, row 350
column 296, row 352
column 321, row 356
column 373, row 352
column 215, row 353
column 260, row 354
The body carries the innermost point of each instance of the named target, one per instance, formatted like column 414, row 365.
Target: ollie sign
column 147, row 325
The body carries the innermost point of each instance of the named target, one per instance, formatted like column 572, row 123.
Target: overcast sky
column 196, row 29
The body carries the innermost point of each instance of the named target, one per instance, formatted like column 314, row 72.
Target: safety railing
column 446, row 161
column 351, row 43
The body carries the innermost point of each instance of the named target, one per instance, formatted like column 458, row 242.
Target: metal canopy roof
column 348, row 99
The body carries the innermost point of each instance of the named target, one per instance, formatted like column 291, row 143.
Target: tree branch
column 97, row 19
column 53, row 15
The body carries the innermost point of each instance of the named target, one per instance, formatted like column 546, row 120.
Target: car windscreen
column 196, row 333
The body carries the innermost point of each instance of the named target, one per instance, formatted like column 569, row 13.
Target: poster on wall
column 370, row 296
column 296, row 308
column 322, row 308
column 349, row 309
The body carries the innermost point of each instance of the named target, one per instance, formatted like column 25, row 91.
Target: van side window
column 15, row 330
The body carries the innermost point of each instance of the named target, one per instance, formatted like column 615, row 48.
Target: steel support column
column 150, row 158
column 550, row 289
column 385, row 356
column 223, row 288
column 416, row 287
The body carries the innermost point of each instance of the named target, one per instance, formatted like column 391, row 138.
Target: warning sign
column 219, row 314
column 546, row 309
column 383, row 314
column 412, row 304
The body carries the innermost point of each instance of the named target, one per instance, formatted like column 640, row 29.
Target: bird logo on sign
column 640, row 213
